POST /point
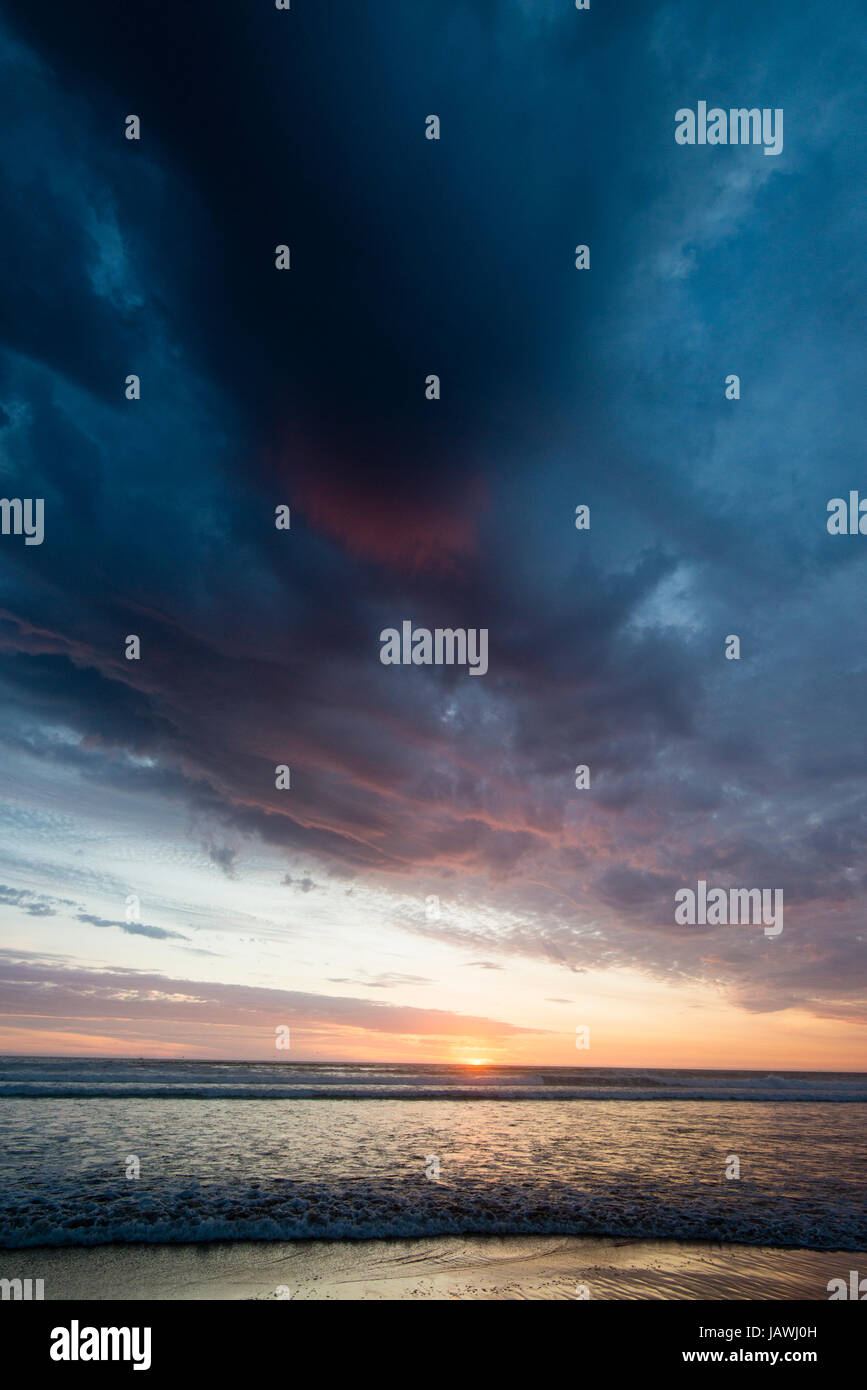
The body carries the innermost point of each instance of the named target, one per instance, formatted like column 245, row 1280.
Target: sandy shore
column 450, row 1267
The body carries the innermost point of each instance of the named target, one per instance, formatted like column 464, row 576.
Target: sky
column 432, row 886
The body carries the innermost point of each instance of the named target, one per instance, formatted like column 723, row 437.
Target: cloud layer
column 260, row 647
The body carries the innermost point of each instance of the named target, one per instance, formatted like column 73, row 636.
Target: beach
column 152, row 1180
column 451, row 1267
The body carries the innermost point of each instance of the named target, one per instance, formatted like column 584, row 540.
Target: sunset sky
column 312, row 907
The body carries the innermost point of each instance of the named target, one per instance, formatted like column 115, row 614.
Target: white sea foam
column 363, row 1211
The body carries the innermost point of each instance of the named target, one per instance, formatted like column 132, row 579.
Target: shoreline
column 477, row 1267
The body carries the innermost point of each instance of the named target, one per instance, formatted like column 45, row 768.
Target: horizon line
column 394, row 1062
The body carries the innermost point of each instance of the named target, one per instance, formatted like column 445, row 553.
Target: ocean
column 96, row 1151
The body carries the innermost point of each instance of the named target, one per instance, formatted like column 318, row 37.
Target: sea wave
column 363, row 1211
column 60, row 1078
column 506, row 1093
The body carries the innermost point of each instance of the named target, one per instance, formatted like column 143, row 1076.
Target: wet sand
column 443, row 1267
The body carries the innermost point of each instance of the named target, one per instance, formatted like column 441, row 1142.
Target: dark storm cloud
column 469, row 254
column 261, row 647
